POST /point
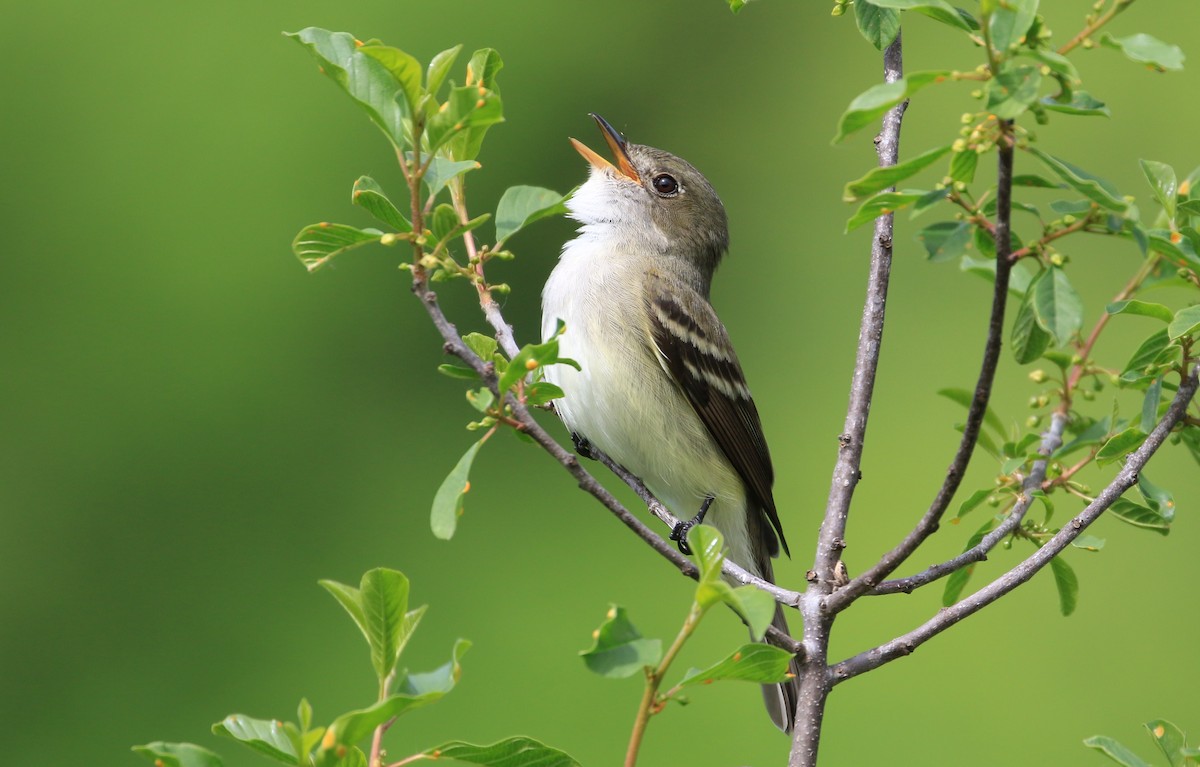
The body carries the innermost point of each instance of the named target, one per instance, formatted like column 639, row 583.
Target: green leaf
column 1185, row 322
column 1056, row 305
column 448, row 501
column 1140, row 516
column 1157, row 498
column 1067, row 585
column 963, row 165
column 178, row 755
column 457, row 371
column 879, row 205
column 759, row 663
column 708, row 544
column 945, row 240
column 1094, row 188
column 964, row 397
column 440, row 66
column 1148, row 50
column 1142, row 308
column 1162, row 180
column 870, row 105
column 369, row 195
column 1092, row 435
column 1010, row 21
column 510, row 752
column 1035, row 181
column 1012, row 91
column 542, row 392
column 977, row 497
column 403, row 66
column 468, row 112
column 363, row 78
column 1169, row 739
column 1120, row 445
column 350, row 599
column 441, row 171
column 531, row 357
column 1088, row 543
column 1114, row 750
column 939, row 10
column 439, row 681
column 1147, row 354
column 878, row 25
column 755, row 606
column 481, row 399
column 618, row 650
column 878, row 179
column 1150, row 405
column 959, row 578
column 520, row 206
column 1029, row 340
column 484, row 346
column 318, row 244
column 384, row 597
column 1076, row 103
column 267, row 737
column 737, row 5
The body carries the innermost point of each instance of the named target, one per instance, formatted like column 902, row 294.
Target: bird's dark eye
column 665, row 185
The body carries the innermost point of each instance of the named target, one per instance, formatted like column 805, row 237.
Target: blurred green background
column 196, row 430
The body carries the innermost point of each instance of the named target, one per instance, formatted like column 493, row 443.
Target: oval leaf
column 267, row 737
column 618, row 650
column 448, row 501
column 511, row 752
column 520, row 206
column 178, row 755
column 318, row 244
column 759, row 663
column 1067, row 584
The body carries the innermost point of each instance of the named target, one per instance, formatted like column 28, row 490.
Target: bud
column 1087, row 394
column 1185, row 186
column 1057, row 259
column 838, row 10
column 1038, row 376
column 388, row 239
column 1068, row 219
column 1033, row 421
column 967, row 118
column 977, row 93
column 958, row 145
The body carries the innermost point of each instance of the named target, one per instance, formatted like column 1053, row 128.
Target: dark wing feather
column 695, row 349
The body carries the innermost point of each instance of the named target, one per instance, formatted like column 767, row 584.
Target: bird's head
column 651, row 197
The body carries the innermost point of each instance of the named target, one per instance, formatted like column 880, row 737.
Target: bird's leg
column 582, row 446
column 679, row 533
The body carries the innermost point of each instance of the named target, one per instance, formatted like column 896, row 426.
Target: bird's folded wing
column 694, row 349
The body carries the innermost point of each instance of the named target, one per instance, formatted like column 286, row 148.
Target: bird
column 659, row 388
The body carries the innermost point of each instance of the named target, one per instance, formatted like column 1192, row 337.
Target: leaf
column 520, row 206
column 510, row 752
column 1088, row 543
column 1076, row 103
column 1150, row 405
column 1056, row 305
column 442, row 679
column 1185, row 322
column 977, row 497
column 484, row 346
column 1147, row 353
column 1162, row 180
column 1169, row 739
column 963, row 165
column 1029, row 340
column 384, row 598
column 1120, row 445
column 448, row 501
column 1067, row 585
column 1010, row 21
column 178, row 755
column 945, row 240
column 369, row 195
column 467, row 113
column 1142, row 308
column 759, row 663
column 318, row 244
column 363, row 78
column 880, row 205
column 531, row 357
column 878, row 25
column 440, row 66
column 878, row 179
column 939, row 10
column 403, row 66
column 1157, row 498
column 1094, row 188
column 755, row 606
column 708, row 544
column 1114, row 750
column 618, row 650
column 964, row 397
column 1092, row 435
column 1013, row 90
column 542, row 392
column 350, row 599
column 441, row 171
column 870, row 105
column 1145, row 49
column 959, row 578
column 267, row 737
column 1140, row 516
column 457, row 371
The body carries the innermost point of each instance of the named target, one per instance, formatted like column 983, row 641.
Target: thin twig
column 1022, row 573
column 1091, row 29
column 928, row 524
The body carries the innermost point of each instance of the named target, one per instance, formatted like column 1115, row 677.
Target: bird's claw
column 680, row 531
column 582, row 446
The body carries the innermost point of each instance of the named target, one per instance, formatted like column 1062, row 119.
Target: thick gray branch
column 1022, row 573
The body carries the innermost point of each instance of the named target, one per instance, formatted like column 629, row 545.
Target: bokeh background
column 195, row 430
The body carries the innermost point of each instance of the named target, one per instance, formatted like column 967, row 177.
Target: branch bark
column 1022, row 573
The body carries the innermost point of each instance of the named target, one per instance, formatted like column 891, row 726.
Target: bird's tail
column 781, row 698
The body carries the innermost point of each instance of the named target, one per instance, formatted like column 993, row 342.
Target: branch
column 846, row 473
column 1051, row 441
column 1023, row 572
column 928, row 524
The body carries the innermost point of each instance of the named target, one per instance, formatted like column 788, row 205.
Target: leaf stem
column 1092, row 28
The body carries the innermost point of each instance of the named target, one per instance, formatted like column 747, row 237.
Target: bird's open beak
column 616, row 142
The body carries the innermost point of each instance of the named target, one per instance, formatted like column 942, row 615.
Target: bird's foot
column 680, row 531
column 582, row 446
